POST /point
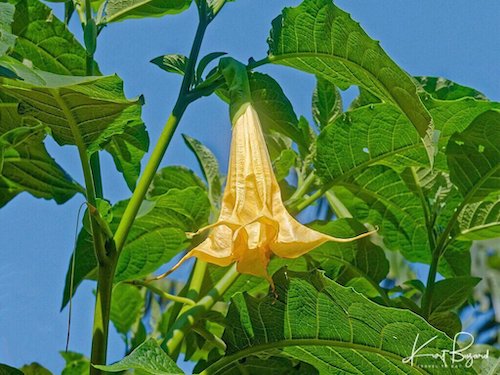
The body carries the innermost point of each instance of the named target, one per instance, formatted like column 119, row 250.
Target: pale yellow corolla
column 254, row 223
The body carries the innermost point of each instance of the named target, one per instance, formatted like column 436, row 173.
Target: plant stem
column 101, row 316
column 304, row 203
column 303, row 187
column 163, row 294
column 431, row 281
column 186, row 320
column 163, row 142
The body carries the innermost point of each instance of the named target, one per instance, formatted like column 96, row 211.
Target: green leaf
column 148, row 357
column 46, row 41
column 204, row 61
column 376, row 134
column 275, row 110
column 159, row 235
column 284, row 163
column 76, row 364
column 126, row 307
column 173, row 177
column 91, row 108
column 379, row 196
column 127, row 150
column 215, row 6
column 35, row 369
column 474, row 158
column 448, row 322
column 315, row 320
column 480, row 221
column 8, row 370
column 450, row 294
column 209, row 167
column 319, row 38
column 118, row 10
column 444, row 89
column 7, row 39
column 326, row 103
column 172, row 63
column 25, row 164
column 348, row 263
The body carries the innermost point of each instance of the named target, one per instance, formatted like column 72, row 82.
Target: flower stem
column 186, row 320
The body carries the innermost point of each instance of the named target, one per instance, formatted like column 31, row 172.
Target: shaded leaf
column 284, row 163
column 127, row 150
column 450, row 294
column 7, row 39
column 474, row 158
column 326, row 103
column 126, row 307
column 319, row 38
column 35, row 369
column 148, row 357
column 209, row 167
column 91, row 108
column 25, row 164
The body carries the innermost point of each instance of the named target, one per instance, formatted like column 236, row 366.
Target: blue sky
column 456, row 39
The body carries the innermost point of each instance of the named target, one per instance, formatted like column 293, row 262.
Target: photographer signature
column 456, row 354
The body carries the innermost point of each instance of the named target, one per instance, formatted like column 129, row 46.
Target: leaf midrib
column 228, row 360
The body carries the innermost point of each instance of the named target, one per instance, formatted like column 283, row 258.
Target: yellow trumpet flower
column 254, row 223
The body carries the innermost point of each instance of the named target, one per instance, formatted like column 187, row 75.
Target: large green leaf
column 90, row 111
column 319, row 38
column 25, row 164
column 45, row 40
column 332, row 328
column 149, row 358
column 91, row 108
column 118, row 10
column 7, row 39
column 379, row 196
column 158, row 234
column 379, row 134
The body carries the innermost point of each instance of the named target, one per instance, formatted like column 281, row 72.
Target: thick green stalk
column 186, row 320
column 102, row 310
column 431, row 281
column 163, row 142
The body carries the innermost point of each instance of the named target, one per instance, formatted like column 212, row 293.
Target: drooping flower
column 254, row 223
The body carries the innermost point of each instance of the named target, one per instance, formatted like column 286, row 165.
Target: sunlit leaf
column 319, row 38
column 118, row 10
